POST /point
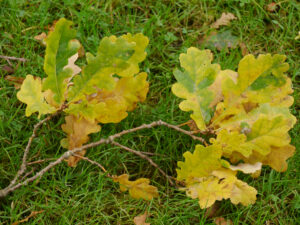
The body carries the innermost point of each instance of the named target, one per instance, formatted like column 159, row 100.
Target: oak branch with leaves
column 247, row 112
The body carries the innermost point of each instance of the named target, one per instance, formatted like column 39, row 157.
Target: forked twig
column 143, row 156
column 13, row 186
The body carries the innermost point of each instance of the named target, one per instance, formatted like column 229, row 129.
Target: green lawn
column 82, row 195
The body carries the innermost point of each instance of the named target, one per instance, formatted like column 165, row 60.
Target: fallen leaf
column 16, row 81
column 271, row 7
column 141, row 219
column 8, row 69
column 41, row 38
column 32, row 214
column 224, row 20
column 220, row 41
column 139, row 188
column 222, row 221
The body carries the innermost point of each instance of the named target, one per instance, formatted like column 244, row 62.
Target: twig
column 67, row 154
column 140, row 154
column 12, row 58
column 39, row 161
column 24, row 163
column 95, row 163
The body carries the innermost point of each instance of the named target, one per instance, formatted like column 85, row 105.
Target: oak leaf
column 111, row 106
column 115, row 56
column 193, row 84
column 139, row 188
column 60, row 46
column 31, row 94
column 77, row 130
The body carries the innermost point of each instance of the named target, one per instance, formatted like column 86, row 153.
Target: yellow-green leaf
column 200, row 163
column 60, row 46
column 119, row 56
column 193, row 85
column 139, row 188
column 31, row 94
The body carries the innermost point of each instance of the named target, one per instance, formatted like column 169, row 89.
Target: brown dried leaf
column 224, row 20
column 32, row 214
column 41, row 38
column 222, row 221
column 16, row 81
column 77, row 130
column 141, row 219
column 271, row 7
column 8, row 69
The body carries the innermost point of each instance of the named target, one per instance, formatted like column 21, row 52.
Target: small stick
column 12, row 58
column 95, row 163
column 140, row 154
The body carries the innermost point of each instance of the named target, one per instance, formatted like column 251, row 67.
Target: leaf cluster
column 247, row 110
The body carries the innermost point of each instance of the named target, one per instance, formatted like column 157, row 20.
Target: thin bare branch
column 12, row 58
column 67, row 154
column 95, row 163
column 140, row 154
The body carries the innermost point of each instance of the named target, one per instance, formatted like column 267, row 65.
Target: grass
column 82, row 195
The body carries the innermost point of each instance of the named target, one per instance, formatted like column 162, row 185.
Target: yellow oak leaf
column 200, row 163
column 209, row 191
column 112, row 106
column 243, row 193
column 77, row 130
column 267, row 132
column 233, row 142
column 278, row 156
column 31, row 94
column 139, row 188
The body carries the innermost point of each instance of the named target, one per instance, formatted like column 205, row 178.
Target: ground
column 82, row 195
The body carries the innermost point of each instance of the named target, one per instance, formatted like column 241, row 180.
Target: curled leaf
column 139, row 188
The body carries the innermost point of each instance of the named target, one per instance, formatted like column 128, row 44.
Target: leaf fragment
column 139, row 188
column 141, row 219
column 16, row 81
column 224, row 20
